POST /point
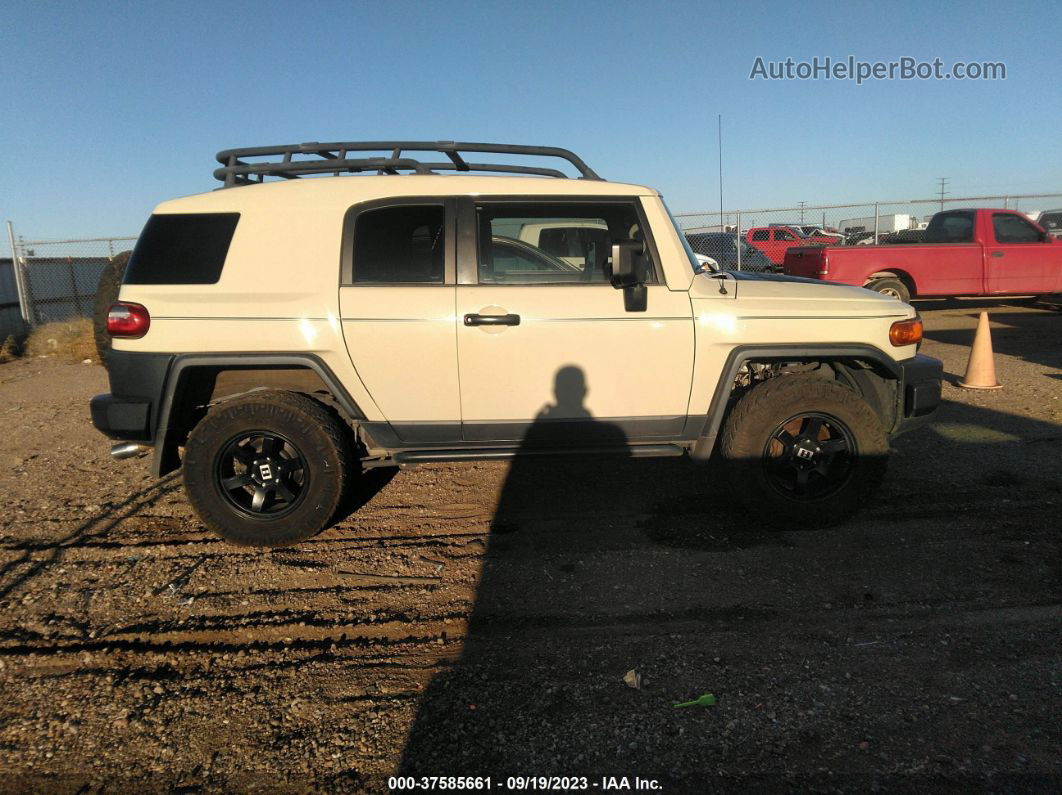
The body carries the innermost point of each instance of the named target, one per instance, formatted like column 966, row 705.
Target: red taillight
column 128, row 320
column 824, row 264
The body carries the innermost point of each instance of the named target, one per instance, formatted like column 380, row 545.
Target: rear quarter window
column 184, row 248
column 956, row 226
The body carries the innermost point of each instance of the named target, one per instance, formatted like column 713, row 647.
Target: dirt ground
column 916, row 647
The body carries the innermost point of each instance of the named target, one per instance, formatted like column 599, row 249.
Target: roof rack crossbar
column 333, row 158
column 241, row 175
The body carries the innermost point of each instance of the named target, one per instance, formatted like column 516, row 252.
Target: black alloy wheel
column 262, row 474
column 803, row 451
column 269, row 469
column 809, row 456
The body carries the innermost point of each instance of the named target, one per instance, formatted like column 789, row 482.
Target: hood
column 796, row 296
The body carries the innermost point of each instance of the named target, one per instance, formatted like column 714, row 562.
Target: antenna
column 722, row 221
column 943, row 183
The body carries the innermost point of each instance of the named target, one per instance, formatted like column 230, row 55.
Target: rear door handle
column 492, row 320
column 997, row 253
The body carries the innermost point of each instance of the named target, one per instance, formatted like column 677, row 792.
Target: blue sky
column 110, row 107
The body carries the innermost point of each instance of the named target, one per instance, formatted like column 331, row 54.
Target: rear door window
column 400, row 245
column 183, row 248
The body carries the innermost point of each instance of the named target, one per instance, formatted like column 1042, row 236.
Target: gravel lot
column 916, row 647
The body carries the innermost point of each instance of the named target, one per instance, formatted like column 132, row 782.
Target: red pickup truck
column 966, row 252
column 775, row 241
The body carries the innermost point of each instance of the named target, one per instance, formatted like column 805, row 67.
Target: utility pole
column 943, row 184
column 801, row 212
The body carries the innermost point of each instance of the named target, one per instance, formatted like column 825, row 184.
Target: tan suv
column 279, row 337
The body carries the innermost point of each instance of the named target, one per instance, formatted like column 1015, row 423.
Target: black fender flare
column 707, row 434
column 166, row 458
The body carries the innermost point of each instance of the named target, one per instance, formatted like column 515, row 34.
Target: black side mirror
column 629, row 273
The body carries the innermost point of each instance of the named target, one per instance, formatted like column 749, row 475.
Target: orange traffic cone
column 981, row 369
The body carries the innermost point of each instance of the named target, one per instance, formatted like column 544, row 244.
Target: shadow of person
column 569, row 388
column 599, row 565
column 468, row 721
column 565, row 424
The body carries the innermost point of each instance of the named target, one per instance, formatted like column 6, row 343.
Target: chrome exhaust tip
column 127, row 450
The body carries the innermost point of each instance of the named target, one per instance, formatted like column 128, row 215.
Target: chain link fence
column 769, row 232
column 52, row 280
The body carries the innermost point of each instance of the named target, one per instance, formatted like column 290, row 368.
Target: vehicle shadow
column 1031, row 335
column 362, row 491
column 972, row 304
column 600, row 566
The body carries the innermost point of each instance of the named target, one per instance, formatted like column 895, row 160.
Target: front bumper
column 919, row 391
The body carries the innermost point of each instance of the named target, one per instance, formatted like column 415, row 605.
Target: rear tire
column 106, row 294
column 269, row 469
column 803, row 452
column 891, row 287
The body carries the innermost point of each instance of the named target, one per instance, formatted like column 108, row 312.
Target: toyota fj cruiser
column 278, row 338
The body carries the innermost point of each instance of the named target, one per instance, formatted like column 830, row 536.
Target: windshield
column 696, row 264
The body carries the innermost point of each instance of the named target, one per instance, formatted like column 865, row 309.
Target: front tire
column 803, row 451
column 269, row 469
column 891, row 287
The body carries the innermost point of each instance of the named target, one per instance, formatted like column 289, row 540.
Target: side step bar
column 413, row 457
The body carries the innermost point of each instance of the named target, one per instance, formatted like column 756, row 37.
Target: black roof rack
column 334, row 158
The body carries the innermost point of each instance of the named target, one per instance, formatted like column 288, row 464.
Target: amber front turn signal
column 906, row 332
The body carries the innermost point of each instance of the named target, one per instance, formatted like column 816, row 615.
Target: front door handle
column 492, row 320
column 997, row 253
